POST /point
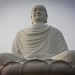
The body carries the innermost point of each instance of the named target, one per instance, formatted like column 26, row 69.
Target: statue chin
column 39, row 20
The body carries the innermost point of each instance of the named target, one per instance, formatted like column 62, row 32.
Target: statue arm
column 16, row 45
column 60, row 42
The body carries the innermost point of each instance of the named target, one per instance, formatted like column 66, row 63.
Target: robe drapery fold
column 39, row 42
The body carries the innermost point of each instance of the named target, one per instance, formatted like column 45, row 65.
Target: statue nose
column 38, row 11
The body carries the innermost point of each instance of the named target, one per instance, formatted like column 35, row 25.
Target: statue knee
column 4, row 54
column 8, row 57
column 68, row 56
column 5, row 57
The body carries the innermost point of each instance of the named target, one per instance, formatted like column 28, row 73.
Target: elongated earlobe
column 32, row 19
column 46, row 19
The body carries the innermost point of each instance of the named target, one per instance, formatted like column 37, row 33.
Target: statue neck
column 39, row 24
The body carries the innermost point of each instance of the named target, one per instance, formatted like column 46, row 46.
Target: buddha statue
column 40, row 41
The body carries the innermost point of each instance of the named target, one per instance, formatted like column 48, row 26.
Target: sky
column 16, row 15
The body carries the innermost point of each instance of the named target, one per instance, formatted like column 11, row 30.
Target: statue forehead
column 39, row 6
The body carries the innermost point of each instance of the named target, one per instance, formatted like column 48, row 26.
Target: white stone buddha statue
column 40, row 40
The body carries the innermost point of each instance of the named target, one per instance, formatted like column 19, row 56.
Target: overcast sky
column 16, row 15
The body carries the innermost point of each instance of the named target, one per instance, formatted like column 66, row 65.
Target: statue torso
column 38, row 41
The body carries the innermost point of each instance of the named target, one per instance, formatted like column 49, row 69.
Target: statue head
column 39, row 14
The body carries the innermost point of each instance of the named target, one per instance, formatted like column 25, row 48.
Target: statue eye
column 35, row 9
column 41, row 9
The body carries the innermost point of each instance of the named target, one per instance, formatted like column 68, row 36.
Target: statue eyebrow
column 35, row 9
column 38, row 8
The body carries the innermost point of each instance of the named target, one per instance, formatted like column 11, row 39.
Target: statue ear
column 31, row 17
column 32, row 20
column 46, row 19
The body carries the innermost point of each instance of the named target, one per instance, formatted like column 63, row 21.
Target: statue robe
column 40, row 41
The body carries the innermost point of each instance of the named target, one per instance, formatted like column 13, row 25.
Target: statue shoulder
column 21, row 31
column 56, row 31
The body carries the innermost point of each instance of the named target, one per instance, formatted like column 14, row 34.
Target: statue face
column 39, row 14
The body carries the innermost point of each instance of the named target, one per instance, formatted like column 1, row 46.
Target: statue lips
column 39, row 15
